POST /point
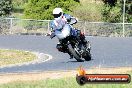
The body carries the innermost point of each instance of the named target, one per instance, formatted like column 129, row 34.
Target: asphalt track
column 106, row 52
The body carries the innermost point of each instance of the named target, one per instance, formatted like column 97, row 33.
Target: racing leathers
column 59, row 24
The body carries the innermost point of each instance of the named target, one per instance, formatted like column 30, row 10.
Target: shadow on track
column 76, row 61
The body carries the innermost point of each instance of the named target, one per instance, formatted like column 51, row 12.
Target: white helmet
column 57, row 13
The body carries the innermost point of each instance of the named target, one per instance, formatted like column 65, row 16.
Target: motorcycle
column 71, row 44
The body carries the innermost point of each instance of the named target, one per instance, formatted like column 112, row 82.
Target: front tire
column 73, row 52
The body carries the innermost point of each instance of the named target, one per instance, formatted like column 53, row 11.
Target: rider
column 61, row 19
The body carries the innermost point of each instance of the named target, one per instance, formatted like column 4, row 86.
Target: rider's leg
column 81, row 37
column 85, row 42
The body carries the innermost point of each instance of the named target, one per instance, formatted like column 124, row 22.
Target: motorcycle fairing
column 61, row 34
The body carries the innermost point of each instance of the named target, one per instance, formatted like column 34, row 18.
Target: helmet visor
column 57, row 15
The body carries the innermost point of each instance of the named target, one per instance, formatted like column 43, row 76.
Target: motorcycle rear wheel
column 87, row 56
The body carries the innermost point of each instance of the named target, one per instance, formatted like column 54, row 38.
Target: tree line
column 111, row 10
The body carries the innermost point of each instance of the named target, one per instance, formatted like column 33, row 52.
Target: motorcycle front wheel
column 74, row 53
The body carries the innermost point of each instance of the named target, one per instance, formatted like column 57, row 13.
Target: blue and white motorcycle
column 71, row 45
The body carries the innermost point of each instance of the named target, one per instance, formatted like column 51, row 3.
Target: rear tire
column 73, row 52
column 87, row 56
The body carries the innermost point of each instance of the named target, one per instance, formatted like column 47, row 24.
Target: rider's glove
column 52, row 35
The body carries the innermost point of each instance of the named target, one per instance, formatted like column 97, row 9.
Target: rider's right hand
column 52, row 35
column 49, row 33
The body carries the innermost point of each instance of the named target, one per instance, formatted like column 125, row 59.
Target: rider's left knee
column 60, row 48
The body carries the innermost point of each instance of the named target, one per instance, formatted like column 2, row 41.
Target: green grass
column 61, row 83
column 8, row 57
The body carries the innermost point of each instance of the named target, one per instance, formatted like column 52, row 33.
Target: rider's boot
column 81, row 37
column 85, row 42
column 88, row 46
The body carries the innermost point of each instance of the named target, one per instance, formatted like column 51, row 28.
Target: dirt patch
column 6, row 78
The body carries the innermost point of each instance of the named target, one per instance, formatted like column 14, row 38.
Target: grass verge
column 65, row 82
column 61, row 83
column 8, row 57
